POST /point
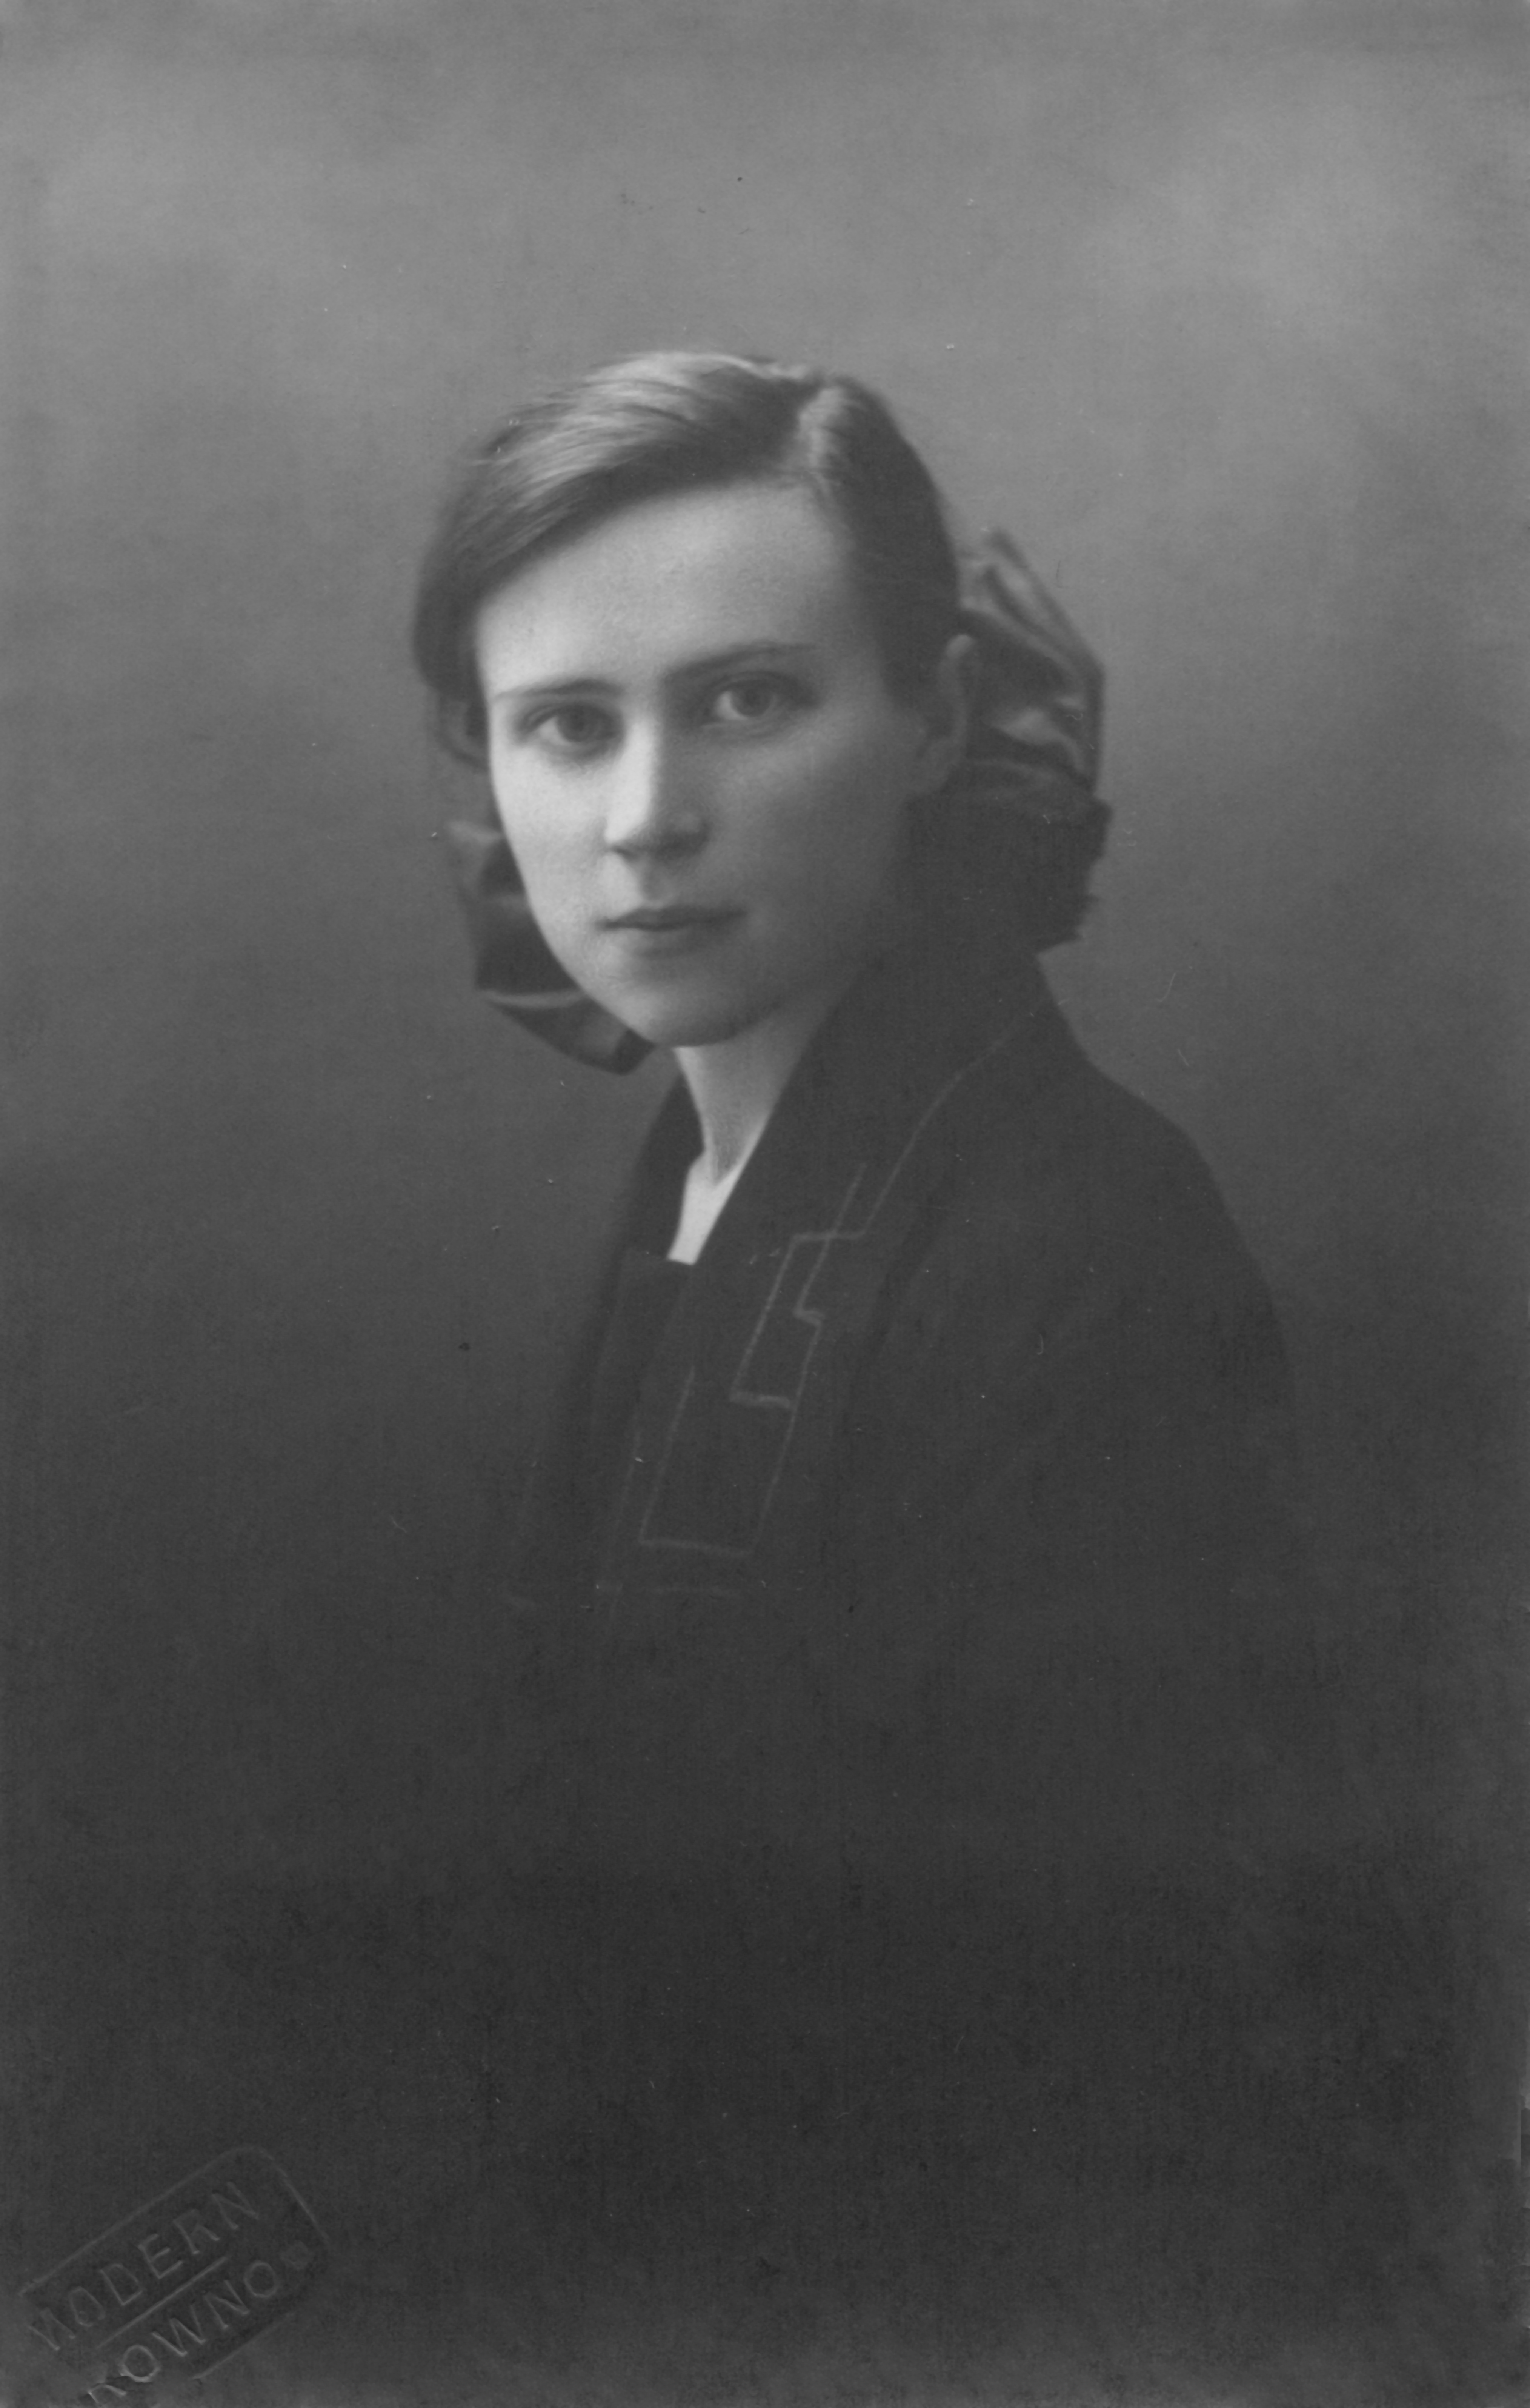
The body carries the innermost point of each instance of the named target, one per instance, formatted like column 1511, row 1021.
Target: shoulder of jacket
column 1081, row 1128
column 1081, row 1189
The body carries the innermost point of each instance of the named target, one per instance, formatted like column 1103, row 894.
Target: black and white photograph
column 767, row 892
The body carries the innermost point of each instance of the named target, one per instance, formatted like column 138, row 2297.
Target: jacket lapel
column 747, row 1388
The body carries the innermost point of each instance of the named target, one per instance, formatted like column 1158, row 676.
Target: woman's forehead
column 685, row 576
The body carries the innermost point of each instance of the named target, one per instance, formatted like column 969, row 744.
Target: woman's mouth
column 672, row 928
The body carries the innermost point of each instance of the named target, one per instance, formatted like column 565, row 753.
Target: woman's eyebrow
column 683, row 673
column 739, row 655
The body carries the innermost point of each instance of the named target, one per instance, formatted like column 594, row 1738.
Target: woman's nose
column 652, row 805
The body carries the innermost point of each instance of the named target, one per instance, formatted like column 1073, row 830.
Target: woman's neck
column 737, row 1084
column 734, row 1087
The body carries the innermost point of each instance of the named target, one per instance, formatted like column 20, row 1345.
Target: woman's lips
column 673, row 929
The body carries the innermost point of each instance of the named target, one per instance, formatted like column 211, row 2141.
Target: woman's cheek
column 544, row 839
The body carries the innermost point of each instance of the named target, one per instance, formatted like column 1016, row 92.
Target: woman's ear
column 948, row 714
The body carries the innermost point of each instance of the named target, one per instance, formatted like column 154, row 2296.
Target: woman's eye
column 751, row 701
column 573, row 727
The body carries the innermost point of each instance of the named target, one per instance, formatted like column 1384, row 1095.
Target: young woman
column 888, row 1562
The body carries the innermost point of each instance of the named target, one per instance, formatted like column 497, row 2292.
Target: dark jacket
column 928, row 1552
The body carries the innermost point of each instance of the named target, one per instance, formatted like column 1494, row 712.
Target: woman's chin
column 689, row 1021
column 678, row 1024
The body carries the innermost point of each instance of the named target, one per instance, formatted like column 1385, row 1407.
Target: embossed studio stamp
column 184, row 2282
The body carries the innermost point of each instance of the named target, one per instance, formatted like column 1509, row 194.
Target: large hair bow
column 1039, row 693
column 1031, row 763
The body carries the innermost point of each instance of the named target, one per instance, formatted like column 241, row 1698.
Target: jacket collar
column 749, row 1382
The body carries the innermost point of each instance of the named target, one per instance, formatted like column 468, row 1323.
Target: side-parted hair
column 681, row 423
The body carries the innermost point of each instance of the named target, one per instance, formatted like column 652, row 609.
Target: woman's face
column 697, row 762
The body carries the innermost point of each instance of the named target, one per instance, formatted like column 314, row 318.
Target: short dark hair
column 676, row 423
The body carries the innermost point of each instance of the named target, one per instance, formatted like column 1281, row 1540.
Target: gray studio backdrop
column 1209, row 304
